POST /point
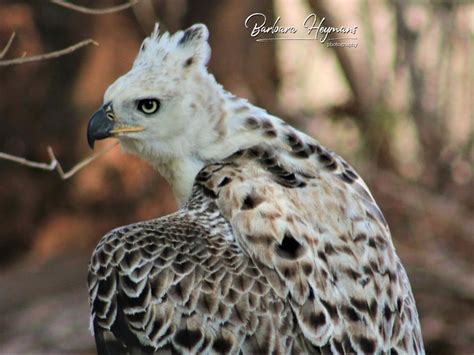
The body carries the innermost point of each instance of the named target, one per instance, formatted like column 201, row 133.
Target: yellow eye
column 148, row 106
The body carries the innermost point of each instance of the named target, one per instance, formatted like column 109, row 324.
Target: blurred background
column 398, row 108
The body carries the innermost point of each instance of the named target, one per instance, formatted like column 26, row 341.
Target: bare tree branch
column 89, row 11
column 7, row 47
column 50, row 55
column 54, row 163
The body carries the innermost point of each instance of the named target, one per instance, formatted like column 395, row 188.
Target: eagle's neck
column 180, row 173
column 229, row 124
column 238, row 126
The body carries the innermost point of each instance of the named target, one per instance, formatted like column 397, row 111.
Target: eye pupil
column 148, row 106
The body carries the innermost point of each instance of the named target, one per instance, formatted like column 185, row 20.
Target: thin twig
column 89, row 11
column 54, row 163
column 7, row 47
column 50, row 55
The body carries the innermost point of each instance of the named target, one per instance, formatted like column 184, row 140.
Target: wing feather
column 172, row 283
column 313, row 222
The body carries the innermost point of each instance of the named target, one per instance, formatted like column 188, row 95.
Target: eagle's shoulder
column 302, row 211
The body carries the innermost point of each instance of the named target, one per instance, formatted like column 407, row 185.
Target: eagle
column 277, row 247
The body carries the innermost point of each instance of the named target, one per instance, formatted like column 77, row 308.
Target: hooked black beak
column 100, row 125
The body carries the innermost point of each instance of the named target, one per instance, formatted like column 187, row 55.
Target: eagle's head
column 166, row 104
column 170, row 111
